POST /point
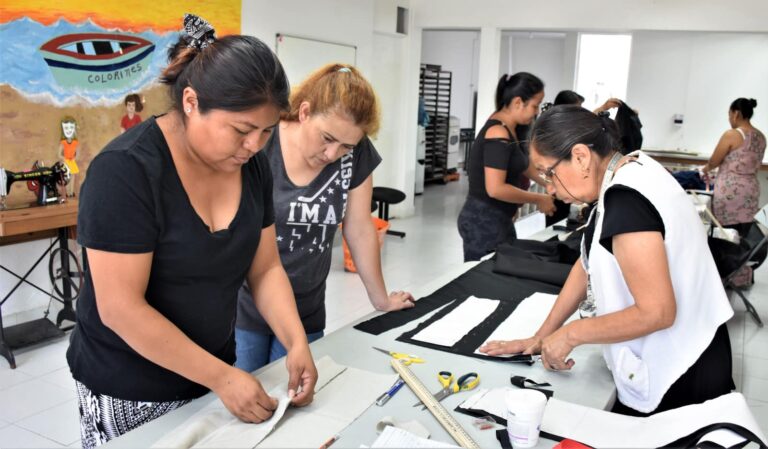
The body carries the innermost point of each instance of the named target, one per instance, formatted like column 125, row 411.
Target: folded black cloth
column 549, row 261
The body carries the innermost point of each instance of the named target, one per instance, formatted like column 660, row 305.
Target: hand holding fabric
column 302, row 375
column 244, row 396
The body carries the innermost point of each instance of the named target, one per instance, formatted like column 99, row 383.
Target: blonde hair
column 337, row 88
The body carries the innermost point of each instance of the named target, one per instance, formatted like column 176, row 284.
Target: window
column 602, row 68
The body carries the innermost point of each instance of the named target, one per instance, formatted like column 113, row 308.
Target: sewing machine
column 46, row 182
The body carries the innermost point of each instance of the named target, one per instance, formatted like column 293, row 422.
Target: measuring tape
column 443, row 416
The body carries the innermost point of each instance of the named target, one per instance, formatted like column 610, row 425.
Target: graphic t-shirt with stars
column 306, row 218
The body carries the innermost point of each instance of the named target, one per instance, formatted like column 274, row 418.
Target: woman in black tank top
column 499, row 169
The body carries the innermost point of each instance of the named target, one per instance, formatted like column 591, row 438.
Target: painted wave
column 23, row 67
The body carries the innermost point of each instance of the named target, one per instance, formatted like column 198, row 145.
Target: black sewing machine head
column 46, row 182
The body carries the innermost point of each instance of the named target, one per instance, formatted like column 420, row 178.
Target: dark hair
column 234, row 73
column 745, row 106
column 521, row 84
column 568, row 97
column 559, row 128
column 136, row 100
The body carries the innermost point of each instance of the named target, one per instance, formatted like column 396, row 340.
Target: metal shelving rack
column 435, row 88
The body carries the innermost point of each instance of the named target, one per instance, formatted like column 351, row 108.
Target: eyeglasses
column 548, row 174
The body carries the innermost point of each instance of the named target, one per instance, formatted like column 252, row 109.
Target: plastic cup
column 525, row 409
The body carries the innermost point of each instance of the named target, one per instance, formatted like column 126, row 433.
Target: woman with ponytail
column 498, row 166
column 322, row 162
column 660, row 306
column 738, row 155
column 167, row 218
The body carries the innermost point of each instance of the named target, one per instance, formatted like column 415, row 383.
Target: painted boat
column 97, row 61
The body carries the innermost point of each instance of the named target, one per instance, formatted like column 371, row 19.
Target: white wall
column 457, row 52
column 382, row 56
column 616, row 15
column 492, row 16
column 696, row 74
column 542, row 54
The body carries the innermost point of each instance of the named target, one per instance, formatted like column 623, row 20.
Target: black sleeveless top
column 502, row 154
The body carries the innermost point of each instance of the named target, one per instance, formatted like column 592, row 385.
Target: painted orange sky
column 134, row 16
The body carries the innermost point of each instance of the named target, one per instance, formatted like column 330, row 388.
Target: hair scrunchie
column 198, row 32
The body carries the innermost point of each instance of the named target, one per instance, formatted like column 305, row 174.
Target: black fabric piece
column 629, row 128
column 520, row 382
column 479, row 281
column 516, row 262
column 477, row 413
column 502, row 154
column 483, row 283
column 626, row 210
column 553, row 250
column 562, row 209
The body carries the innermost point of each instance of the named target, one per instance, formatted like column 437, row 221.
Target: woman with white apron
column 660, row 308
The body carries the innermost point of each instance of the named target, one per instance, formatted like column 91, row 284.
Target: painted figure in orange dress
column 68, row 150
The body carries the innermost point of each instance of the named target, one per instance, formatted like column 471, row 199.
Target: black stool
column 384, row 196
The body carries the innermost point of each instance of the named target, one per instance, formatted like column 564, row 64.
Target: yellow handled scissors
column 464, row 383
column 407, row 359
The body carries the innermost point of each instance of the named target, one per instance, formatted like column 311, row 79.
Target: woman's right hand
column 244, row 396
column 546, row 204
column 530, row 345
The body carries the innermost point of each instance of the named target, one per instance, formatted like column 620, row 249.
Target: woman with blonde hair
column 321, row 161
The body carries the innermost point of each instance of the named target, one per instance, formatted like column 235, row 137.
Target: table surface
column 23, row 220
column 681, row 157
column 588, row 383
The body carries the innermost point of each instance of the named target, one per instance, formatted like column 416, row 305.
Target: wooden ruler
column 443, row 416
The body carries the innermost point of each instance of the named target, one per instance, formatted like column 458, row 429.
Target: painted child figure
column 132, row 107
column 68, row 150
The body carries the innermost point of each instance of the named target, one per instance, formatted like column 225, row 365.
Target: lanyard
column 587, row 307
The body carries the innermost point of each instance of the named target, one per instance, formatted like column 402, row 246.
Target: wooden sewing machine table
column 33, row 222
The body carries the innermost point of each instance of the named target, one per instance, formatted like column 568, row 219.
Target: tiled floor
column 38, row 407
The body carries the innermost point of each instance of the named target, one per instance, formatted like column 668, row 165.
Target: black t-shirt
column 502, row 154
column 133, row 201
column 626, row 210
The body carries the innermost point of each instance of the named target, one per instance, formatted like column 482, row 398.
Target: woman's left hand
column 399, row 300
column 302, row 375
column 554, row 350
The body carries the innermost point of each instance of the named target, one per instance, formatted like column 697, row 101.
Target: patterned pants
column 482, row 227
column 104, row 417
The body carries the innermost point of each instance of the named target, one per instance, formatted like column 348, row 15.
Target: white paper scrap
column 393, row 437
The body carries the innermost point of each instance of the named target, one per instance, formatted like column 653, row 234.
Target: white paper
column 525, row 320
column 339, row 403
column 491, row 401
column 598, row 428
column 393, row 437
column 206, row 427
column 456, row 324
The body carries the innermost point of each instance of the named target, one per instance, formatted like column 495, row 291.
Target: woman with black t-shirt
column 645, row 263
column 499, row 169
column 166, row 218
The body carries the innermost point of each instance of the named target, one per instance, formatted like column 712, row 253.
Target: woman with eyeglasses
column 661, row 308
column 498, row 167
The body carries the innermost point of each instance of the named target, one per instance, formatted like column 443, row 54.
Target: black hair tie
column 199, row 33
